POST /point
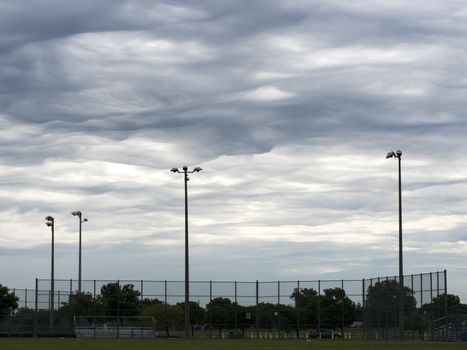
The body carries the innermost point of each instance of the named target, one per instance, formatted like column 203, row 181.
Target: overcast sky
column 290, row 108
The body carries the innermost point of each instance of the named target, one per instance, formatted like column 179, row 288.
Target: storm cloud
column 290, row 109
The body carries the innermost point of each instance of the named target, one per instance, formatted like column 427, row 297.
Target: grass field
column 137, row 344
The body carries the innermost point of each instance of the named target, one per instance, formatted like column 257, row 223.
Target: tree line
column 308, row 309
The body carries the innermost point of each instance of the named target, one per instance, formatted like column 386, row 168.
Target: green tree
column 147, row 302
column 336, row 308
column 306, row 305
column 273, row 316
column 167, row 316
column 382, row 304
column 267, row 315
column 221, row 312
column 197, row 313
column 8, row 301
column 436, row 308
column 246, row 316
column 120, row 300
column 81, row 304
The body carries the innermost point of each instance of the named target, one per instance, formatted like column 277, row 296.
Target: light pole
column 50, row 222
column 185, row 173
column 398, row 155
column 81, row 220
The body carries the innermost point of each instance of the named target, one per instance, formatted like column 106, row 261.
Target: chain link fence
column 366, row 308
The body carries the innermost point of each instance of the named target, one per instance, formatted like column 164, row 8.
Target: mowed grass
column 180, row 344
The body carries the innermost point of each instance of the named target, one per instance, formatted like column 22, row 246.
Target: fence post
column 236, row 309
column 26, row 298
column 278, row 292
column 342, row 309
column 446, row 297
column 431, row 287
column 319, row 308
column 363, row 308
column 165, row 306
column 297, row 308
column 421, row 289
column 277, row 308
column 118, row 309
column 210, row 290
column 257, row 309
column 437, row 294
column 35, row 308
column 210, row 309
column 142, row 290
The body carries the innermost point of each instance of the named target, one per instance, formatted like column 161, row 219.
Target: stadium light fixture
column 81, row 220
column 50, row 222
column 398, row 156
column 185, row 173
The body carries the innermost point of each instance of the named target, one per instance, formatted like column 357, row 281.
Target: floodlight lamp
column 390, row 155
column 174, row 170
column 197, row 169
column 84, row 220
column 49, row 218
column 185, row 168
column 48, row 223
column 399, row 153
column 76, row 213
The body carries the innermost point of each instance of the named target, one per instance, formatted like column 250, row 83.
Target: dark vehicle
column 324, row 333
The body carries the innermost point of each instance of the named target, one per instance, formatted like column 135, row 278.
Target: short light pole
column 81, row 220
column 398, row 155
column 185, row 172
column 51, row 223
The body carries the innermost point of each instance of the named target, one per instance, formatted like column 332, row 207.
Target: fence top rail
column 239, row 282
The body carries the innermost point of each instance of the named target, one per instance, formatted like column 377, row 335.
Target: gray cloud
column 290, row 107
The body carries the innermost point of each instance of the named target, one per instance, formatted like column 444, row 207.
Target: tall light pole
column 81, row 220
column 185, row 173
column 398, row 155
column 51, row 223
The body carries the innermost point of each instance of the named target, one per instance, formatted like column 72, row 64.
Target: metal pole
column 187, row 273
column 52, row 278
column 257, row 309
column 431, row 286
column 118, row 309
column 142, row 290
column 236, row 309
column 319, row 308
column 297, row 307
column 437, row 296
column 210, row 309
column 363, row 308
column 278, row 292
column 401, row 269
column 79, row 258
column 342, row 309
column 421, row 290
column 445, row 300
column 36, row 307
column 445, row 297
